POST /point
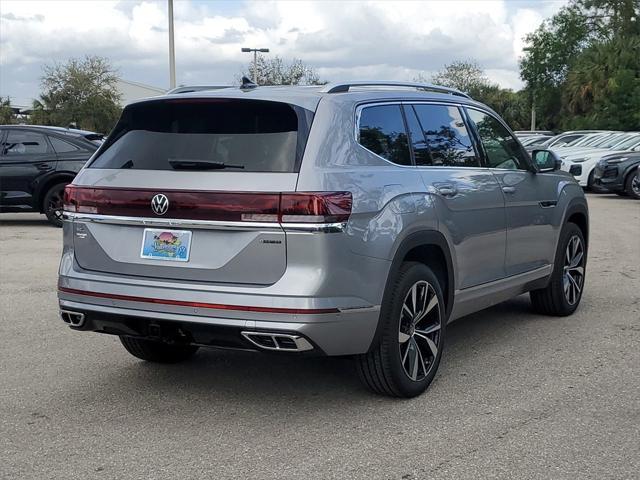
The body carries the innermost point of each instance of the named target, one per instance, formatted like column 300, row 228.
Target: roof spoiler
column 197, row 88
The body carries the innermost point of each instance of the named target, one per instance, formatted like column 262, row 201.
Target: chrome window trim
column 331, row 227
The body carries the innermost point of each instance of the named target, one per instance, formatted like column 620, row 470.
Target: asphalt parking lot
column 517, row 396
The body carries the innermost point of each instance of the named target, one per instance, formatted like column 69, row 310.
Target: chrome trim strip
column 314, row 227
column 205, row 224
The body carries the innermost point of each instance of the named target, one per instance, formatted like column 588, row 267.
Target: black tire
column 633, row 179
column 590, row 183
column 52, row 204
column 381, row 369
column 554, row 299
column 158, row 352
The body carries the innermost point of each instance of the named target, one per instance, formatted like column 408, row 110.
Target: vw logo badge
column 160, row 204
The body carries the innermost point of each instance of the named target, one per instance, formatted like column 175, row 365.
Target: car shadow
column 255, row 380
column 27, row 220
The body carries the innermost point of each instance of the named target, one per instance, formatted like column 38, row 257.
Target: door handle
column 446, row 189
column 509, row 189
column 43, row 166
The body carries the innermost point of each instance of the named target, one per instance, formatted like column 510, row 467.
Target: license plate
column 160, row 244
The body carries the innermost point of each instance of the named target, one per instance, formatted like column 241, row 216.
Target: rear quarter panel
column 390, row 201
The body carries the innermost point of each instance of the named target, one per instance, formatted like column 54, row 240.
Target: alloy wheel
column 54, row 206
column 419, row 330
column 573, row 277
column 635, row 184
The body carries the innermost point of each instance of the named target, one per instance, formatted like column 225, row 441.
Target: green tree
column 557, row 45
column 512, row 106
column 81, row 92
column 275, row 71
column 603, row 87
column 6, row 112
column 465, row 75
column 468, row 76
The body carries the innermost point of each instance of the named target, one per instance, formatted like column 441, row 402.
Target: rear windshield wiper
column 186, row 164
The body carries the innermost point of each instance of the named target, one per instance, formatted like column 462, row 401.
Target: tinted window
column 258, row 136
column 502, row 149
column 420, row 150
column 60, row 146
column 382, row 131
column 24, row 143
column 446, row 137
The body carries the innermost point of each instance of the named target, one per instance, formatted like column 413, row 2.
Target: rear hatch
column 189, row 189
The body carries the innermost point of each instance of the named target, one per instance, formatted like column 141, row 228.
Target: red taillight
column 79, row 199
column 308, row 207
column 317, row 207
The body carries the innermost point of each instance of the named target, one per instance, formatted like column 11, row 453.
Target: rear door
column 530, row 198
column 188, row 189
column 469, row 203
column 25, row 155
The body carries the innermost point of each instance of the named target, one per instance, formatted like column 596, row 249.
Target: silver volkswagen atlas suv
column 347, row 219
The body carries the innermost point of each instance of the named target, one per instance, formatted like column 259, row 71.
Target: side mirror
column 546, row 161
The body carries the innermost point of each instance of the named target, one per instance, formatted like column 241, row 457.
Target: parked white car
column 590, row 142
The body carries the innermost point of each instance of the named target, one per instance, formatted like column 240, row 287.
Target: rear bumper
column 346, row 331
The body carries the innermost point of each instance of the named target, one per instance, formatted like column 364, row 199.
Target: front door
column 24, row 156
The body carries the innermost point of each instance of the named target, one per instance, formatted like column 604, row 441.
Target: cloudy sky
column 392, row 40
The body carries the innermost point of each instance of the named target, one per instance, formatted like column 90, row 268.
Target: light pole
column 255, row 59
column 172, row 50
column 533, row 91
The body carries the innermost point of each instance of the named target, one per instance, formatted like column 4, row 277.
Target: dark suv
column 619, row 174
column 37, row 162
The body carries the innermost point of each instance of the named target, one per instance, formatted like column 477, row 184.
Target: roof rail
column 196, row 88
column 344, row 87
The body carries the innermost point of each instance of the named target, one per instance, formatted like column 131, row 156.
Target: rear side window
column 208, row 134
column 60, row 146
column 446, row 137
column 24, row 143
column 382, row 131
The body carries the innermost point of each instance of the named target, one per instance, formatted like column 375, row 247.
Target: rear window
column 243, row 135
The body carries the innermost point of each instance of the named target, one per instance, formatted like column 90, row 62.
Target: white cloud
column 343, row 40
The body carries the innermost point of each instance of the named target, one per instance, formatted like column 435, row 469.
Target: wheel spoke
column 403, row 337
column 412, row 360
column 420, row 361
column 414, row 298
column 433, row 347
column 574, row 282
column 577, row 260
column 406, row 352
column 428, row 331
column 578, row 270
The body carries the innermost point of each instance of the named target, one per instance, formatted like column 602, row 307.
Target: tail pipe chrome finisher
column 278, row 341
column 75, row 319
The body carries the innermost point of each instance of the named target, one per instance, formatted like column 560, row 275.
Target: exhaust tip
column 75, row 319
column 278, row 341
